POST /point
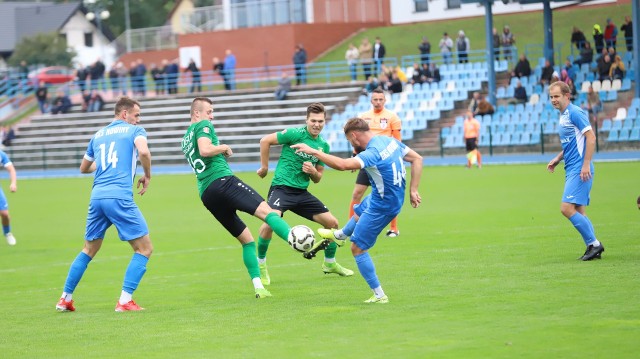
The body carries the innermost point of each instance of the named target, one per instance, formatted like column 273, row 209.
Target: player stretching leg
column 289, row 187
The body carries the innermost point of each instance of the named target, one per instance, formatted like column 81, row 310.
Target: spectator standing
column 497, row 42
column 141, row 77
column 158, row 79
column 218, row 68
column 463, row 47
column 627, row 28
column 598, row 38
column 577, row 38
column 425, row 51
column 523, row 67
column 586, row 54
column 196, row 84
column 23, row 73
column 135, row 89
column 123, row 74
column 284, row 86
column 230, row 69
column 366, row 56
column 81, row 77
column 379, row 52
column 41, row 96
column 507, row 40
column 352, row 55
column 611, row 34
column 115, row 81
column 96, row 73
column 446, row 45
column 300, row 63
column 172, row 73
column 471, row 129
column 617, row 69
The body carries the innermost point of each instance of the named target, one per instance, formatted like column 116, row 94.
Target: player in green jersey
column 222, row 193
column 288, row 190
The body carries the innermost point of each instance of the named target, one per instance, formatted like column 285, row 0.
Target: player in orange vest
column 382, row 122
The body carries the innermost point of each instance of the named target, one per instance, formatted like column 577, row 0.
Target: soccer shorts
column 296, row 200
column 370, row 224
column 471, row 143
column 4, row 205
column 225, row 196
column 123, row 213
column 363, row 178
column 576, row 191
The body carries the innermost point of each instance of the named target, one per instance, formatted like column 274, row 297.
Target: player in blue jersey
column 383, row 160
column 578, row 145
column 112, row 155
column 4, row 205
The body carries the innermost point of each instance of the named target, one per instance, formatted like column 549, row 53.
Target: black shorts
column 471, row 143
column 227, row 195
column 296, row 200
column 362, row 178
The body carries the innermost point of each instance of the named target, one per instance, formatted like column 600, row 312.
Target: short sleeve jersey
column 383, row 122
column 383, row 162
column 4, row 159
column 207, row 169
column 113, row 150
column 574, row 122
column 471, row 128
column 289, row 168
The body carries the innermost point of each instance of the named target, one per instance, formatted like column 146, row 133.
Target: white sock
column 67, row 296
column 378, row 292
column 595, row 243
column 339, row 234
column 262, row 260
column 125, row 297
column 257, row 284
column 329, row 260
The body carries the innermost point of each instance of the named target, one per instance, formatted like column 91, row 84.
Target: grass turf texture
column 485, row 268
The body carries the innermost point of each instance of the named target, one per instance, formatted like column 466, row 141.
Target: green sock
column 250, row 260
column 278, row 225
column 330, row 251
column 263, row 246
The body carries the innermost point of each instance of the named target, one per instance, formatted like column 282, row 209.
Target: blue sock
column 134, row 273
column 350, row 226
column 584, row 226
column 76, row 271
column 367, row 269
column 6, row 229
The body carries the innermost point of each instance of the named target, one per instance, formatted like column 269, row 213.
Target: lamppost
column 97, row 12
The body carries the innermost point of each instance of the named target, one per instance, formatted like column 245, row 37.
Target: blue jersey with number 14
column 382, row 160
column 115, row 154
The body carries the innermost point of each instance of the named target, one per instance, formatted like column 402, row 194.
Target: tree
column 45, row 48
column 143, row 13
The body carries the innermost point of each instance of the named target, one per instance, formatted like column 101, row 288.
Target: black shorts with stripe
column 297, row 200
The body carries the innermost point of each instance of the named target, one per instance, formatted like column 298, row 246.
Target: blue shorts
column 370, row 225
column 576, row 191
column 122, row 213
column 4, row 205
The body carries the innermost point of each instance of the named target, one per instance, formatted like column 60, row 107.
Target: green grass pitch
column 485, row 268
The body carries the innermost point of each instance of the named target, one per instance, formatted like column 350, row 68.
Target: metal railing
column 152, row 38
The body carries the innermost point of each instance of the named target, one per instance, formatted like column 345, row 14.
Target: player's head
column 128, row 109
column 201, row 109
column 357, row 132
column 378, row 99
column 316, row 117
column 560, row 95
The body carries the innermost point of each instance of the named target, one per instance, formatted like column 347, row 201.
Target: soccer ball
column 301, row 238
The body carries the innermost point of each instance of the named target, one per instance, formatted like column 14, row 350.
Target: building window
column 453, row 4
column 88, row 39
column 421, row 5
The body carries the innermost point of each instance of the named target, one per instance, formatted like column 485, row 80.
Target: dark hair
column 378, row 90
column 125, row 103
column 356, row 124
column 316, row 107
column 196, row 102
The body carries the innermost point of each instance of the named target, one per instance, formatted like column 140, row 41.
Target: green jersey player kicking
column 288, row 190
column 222, row 193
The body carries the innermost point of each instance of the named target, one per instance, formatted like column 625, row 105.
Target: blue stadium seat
column 623, row 135
column 628, row 124
column 626, row 85
column 535, row 138
column 501, row 92
column 616, row 125
column 635, row 134
column 613, row 136
column 606, row 126
column 406, row 133
column 612, row 96
column 446, row 131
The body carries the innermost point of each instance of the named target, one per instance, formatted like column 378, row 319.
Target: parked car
column 52, row 75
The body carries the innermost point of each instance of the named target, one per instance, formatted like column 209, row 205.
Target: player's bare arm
column 207, row 149
column 144, row 156
column 314, row 172
column 416, row 172
column 265, row 144
column 551, row 166
column 87, row 166
column 340, row 164
column 13, row 186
